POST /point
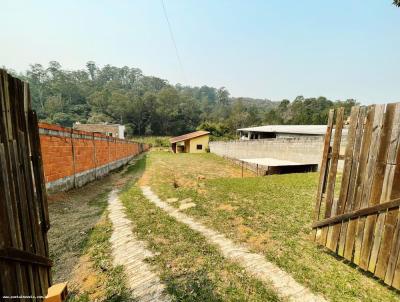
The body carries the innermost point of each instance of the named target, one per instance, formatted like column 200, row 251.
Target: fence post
column 94, row 157
column 108, row 148
column 73, row 155
column 242, row 168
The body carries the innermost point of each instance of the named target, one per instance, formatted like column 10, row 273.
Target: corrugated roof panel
column 295, row 129
column 188, row 136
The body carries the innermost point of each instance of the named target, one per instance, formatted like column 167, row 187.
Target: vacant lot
column 270, row 214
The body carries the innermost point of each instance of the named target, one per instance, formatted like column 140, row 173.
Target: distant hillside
column 263, row 103
column 149, row 105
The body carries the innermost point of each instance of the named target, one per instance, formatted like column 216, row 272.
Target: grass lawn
column 191, row 269
column 272, row 215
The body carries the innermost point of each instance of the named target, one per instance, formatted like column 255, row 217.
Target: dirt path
column 255, row 264
column 131, row 254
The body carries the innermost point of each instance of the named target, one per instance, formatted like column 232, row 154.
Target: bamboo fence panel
column 25, row 267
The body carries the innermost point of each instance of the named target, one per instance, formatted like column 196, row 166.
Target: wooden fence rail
column 24, row 220
column 357, row 214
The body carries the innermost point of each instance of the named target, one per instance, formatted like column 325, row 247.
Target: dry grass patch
column 188, row 170
column 226, row 207
column 95, row 278
column 192, row 269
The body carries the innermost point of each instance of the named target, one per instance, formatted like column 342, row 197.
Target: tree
column 396, row 2
column 167, row 109
column 92, row 68
column 38, row 78
column 223, row 96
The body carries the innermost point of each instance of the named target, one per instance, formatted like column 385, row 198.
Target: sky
column 272, row 49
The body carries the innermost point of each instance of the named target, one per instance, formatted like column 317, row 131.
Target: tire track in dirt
column 254, row 264
column 132, row 253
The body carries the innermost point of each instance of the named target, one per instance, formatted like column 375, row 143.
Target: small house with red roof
column 195, row 142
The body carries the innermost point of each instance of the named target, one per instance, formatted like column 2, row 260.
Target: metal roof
column 188, row 136
column 273, row 162
column 295, row 129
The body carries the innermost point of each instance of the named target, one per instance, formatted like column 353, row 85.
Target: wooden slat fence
column 357, row 212
column 24, row 221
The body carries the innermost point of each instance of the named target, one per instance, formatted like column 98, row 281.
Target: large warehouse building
column 281, row 131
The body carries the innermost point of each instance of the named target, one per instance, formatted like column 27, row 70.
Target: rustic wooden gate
column 24, row 222
column 357, row 211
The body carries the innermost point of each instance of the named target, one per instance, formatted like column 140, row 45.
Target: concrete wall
column 72, row 158
column 301, row 150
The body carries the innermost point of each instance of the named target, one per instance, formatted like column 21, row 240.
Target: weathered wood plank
column 383, row 207
column 14, row 254
column 395, row 245
column 323, row 168
column 38, row 171
column 363, row 157
column 334, row 231
column 6, row 239
column 387, row 238
column 367, row 181
column 41, row 195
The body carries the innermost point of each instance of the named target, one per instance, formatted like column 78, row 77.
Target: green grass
column 192, row 269
column 271, row 214
column 73, row 216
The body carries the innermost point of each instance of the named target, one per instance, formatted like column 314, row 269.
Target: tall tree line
column 149, row 105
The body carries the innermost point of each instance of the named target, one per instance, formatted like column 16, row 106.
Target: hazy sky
column 268, row 49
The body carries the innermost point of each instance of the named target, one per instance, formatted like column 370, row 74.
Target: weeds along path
column 253, row 263
column 131, row 253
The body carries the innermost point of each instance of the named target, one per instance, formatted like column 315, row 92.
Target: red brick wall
column 66, row 151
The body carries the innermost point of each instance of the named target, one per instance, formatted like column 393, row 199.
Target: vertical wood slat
column 22, row 193
column 395, row 245
column 41, row 195
column 6, row 238
column 330, row 187
column 324, row 165
column 334, row 231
